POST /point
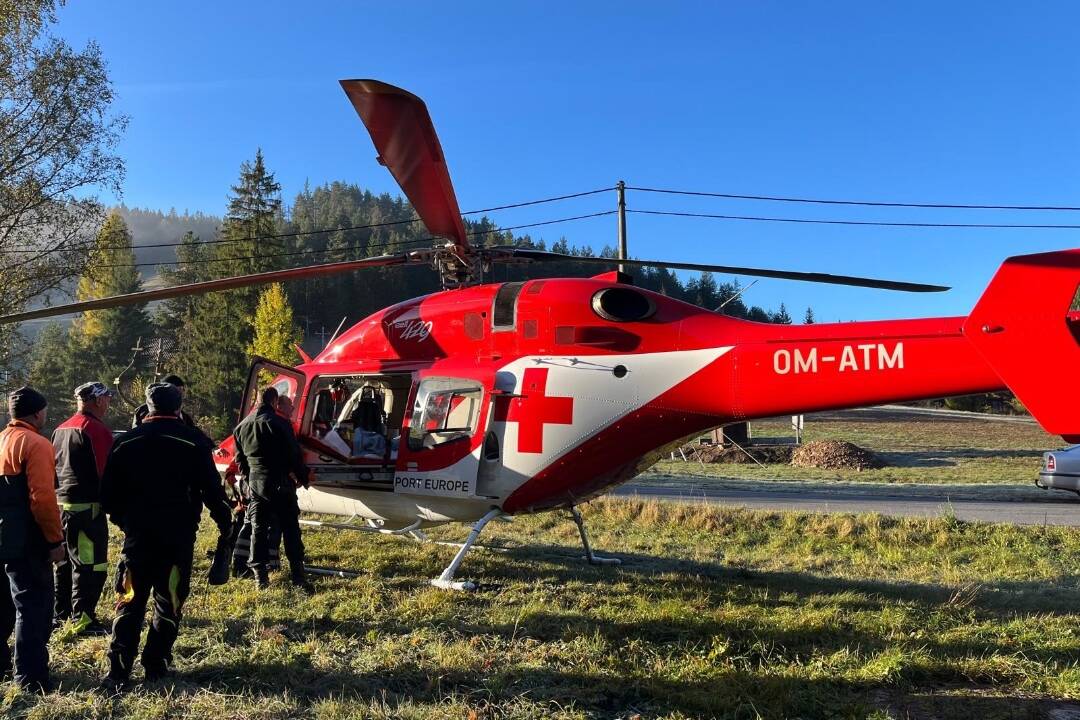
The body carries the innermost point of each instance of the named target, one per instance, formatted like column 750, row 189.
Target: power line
column 855, row 222
column 538, row 202
column 863, row 203
column 477, row 233
column 302, row 233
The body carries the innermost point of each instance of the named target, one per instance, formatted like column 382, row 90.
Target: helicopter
column 489, row 400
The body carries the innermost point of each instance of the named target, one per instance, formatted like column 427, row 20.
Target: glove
column 219, row 568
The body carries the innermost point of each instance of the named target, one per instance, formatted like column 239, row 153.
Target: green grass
column 715, row 613
column 932, row 451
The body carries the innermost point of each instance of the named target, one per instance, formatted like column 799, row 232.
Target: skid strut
column 446, row 580
column 592, row 558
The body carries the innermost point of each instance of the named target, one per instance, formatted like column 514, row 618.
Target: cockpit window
column 446, row 409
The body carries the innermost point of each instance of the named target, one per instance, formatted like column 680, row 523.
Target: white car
column 1061, row 470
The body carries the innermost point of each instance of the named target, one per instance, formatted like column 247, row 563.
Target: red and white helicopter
column 490, row 400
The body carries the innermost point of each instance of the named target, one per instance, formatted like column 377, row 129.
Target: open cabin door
column 443, row 434
column 289, row 382
column 351, row 428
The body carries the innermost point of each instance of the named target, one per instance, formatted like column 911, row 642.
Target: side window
column 446, row 409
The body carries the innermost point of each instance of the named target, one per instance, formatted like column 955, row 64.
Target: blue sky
column 919, row 101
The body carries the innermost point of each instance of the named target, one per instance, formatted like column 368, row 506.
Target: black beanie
column 173, row 380
column 25, row 401
column 162, row 398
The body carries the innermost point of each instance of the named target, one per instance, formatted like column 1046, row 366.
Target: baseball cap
column 91, row 390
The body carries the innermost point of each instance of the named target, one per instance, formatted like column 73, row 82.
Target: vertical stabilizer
column 1024, row 328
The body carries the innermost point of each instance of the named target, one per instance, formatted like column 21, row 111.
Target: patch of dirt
column 835, row 455
column 747, row 455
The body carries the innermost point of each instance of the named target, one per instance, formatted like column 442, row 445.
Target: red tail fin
column 1023, row 328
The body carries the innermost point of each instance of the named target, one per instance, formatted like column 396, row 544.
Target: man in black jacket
column 156, row 481
column 269, row 455
column 143, row 410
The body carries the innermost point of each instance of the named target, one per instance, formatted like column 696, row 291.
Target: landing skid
column 446, row 580
column 591, row 557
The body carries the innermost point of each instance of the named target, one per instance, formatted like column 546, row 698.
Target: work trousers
column 241, row 529
column 31, row 584
column 7, row 625
column 80, row 577
column 149, row 569
column 279, row 506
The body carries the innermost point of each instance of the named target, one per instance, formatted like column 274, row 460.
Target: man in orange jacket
column 30, row 532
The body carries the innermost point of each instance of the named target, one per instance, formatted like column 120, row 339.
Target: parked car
column 1061, row 470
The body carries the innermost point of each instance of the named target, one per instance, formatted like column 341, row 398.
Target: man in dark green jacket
column 269, row 455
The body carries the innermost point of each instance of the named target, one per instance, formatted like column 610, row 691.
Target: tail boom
column 843, row 365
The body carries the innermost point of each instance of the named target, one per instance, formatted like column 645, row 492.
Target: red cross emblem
column 534, row 410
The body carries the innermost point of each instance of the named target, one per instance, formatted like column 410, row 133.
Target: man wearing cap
column 82, row 444
column 268, row 454
column 142, row 411
column 157, row 479
column 30, row 533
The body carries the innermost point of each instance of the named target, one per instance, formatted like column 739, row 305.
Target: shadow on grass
column 948, row 458
column 724, row 694
column 716, row 580
column 749, row 676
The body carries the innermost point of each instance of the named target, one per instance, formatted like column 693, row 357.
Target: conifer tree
column 808, row 319
column 275, row 333
column 218, row 333
column 781, row 317
column 103, row 339
column 53, row 371
column 191, row 267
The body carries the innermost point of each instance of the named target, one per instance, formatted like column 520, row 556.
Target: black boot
column 300, row 581
column 262, row 578
column 113, row 684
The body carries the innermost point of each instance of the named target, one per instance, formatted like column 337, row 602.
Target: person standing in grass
column 156, row 482
column 269, row 456
column 31, row 535
column 82, row 444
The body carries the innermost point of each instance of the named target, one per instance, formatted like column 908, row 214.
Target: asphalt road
column 1019, row 505
column 1058, row 508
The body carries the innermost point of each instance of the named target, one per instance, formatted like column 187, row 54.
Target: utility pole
column 620, row 188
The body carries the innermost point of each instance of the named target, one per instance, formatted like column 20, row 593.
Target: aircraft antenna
column 740, row 292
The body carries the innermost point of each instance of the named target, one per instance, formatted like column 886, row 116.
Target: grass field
column 939, row 450
column 715, row 613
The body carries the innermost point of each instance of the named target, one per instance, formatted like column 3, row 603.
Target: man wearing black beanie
column 143, row 410
column 156, row 482
column 32, row 535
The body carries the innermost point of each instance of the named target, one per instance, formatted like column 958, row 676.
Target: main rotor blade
column 543, row 256
column 199, row 288
column 404, row 135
